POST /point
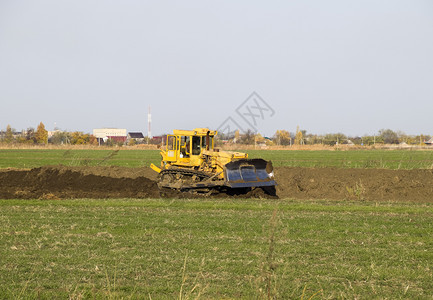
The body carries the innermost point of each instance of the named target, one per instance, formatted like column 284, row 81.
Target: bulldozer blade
column 155, row 168
column 249, row 173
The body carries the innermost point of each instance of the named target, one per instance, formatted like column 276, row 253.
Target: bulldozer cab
column 184, row 147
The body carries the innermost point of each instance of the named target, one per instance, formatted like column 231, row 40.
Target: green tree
column 372, row 140
column 313, row 139
column 9, row 137
column 41, row 134
column 332, row 139
column 60, row 138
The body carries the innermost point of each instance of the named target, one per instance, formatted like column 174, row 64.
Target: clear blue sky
column 328, row 66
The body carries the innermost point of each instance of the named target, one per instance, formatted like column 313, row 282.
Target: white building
column 105, row 133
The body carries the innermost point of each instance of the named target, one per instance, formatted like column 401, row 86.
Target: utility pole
column 149, row 124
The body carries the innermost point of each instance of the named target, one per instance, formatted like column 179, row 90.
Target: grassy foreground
column 162, row 248
column 378, row 159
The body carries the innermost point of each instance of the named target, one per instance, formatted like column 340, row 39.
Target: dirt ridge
column 61, row 182
column 355, row 184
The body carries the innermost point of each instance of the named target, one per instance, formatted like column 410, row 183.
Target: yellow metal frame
column 208, row 159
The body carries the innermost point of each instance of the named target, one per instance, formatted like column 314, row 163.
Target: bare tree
column 248, row 138
column 388, row 136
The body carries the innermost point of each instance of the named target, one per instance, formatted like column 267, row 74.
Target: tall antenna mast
column 149, row 126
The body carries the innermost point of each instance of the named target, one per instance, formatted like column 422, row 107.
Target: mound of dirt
column 65, row 182
column 60, row 182
column 114, row 171
column 355, row 184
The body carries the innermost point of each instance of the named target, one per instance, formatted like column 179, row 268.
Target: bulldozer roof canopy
column 197, row 131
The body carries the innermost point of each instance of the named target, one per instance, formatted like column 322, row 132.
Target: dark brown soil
column 66, row 182
column 355, row 184
column 60, row 182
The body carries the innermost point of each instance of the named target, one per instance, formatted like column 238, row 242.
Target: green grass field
column 384, row 159
column 32, row 158
column 218, row 248
column 364, row 159
column 162, row 248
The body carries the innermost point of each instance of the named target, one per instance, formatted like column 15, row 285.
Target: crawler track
column 192, row 181
column 201, row 183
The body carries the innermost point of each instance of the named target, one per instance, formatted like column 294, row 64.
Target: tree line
column 39, row 136
column 301, row 137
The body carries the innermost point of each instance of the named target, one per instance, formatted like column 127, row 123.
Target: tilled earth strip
column 61, row 182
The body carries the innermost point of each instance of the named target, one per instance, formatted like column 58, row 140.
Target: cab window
column 195, row 145
column 171, row 142
column 203, row 142
column 184, row 146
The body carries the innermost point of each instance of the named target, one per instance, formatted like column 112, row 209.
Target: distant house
column 137, row 136
column 114, row 134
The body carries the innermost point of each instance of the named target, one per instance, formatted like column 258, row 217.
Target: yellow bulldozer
column 190, row 162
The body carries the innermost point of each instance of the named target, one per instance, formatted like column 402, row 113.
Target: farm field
column 33, row 158
column 371, row 159
column 215, row 248
column 91, row 224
